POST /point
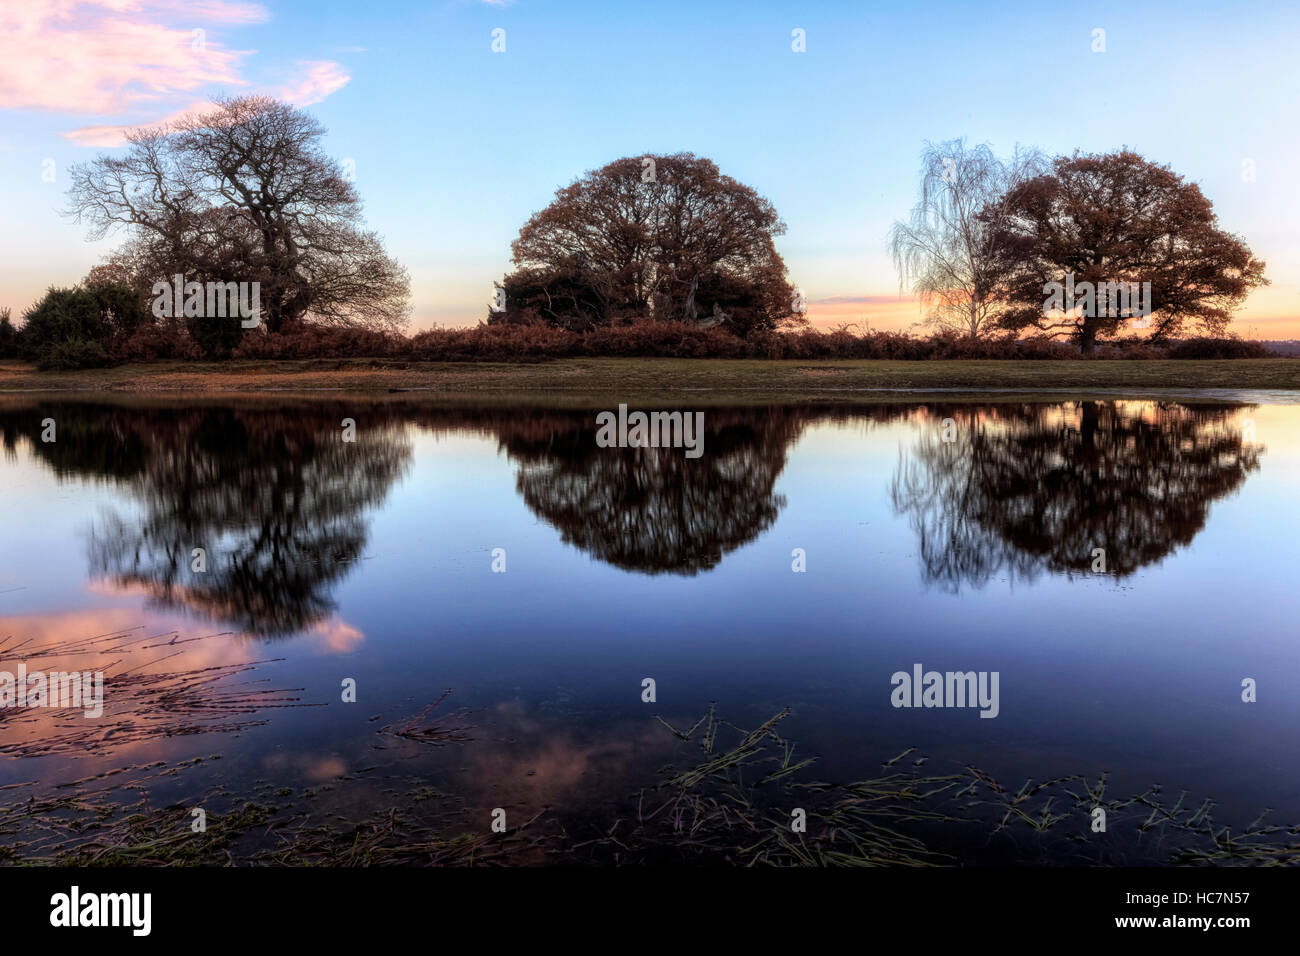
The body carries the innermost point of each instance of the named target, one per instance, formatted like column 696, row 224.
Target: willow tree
column 947, row 252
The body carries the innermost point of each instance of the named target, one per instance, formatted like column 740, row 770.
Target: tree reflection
column 652, row 509
column 280, row 503
column 1029, row 488
column 276, row 499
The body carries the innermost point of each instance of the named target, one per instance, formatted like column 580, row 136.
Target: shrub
column 60, row 330
column 73, row 354
column 123, row 308
column 494, row 343
column 156, row 341
column 316, row 341
column 1208, row 348
column 75, row 328
column 8, row 336
column 662, row 340
column 215, row 337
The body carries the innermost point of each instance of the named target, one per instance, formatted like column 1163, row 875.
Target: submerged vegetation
column 141, row 702
column 736, row 807
column 730, row 801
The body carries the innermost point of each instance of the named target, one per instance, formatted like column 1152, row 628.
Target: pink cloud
column 106, row 56
column 118, row 56
column 336, row 636
column 115, row 135
column 319, row 79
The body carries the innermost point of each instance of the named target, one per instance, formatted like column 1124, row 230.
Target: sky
column 453, row 145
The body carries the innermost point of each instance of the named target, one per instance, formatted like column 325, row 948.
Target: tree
column 946, row 253
column 245, row 194
column 1117, row 218
column 663, row 237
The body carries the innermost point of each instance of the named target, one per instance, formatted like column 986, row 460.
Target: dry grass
column 740, row 378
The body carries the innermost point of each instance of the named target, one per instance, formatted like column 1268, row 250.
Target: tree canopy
column 1119, row 218
column 663, row 237
column 989, row 237
column 244, row 193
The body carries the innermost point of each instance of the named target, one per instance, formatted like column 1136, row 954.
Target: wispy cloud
column 317, row 79
column 863, row 300
column 115, row 134
column 107, row 56
column 141, row 57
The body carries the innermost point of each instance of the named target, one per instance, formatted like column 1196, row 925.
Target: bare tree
column 947, row 253
column 244, row 193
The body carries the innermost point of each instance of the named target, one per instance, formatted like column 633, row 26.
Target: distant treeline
column 110, row 342
column 269, row 257
column 1287, row 347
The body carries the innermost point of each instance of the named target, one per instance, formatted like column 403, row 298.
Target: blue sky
column 455, row 146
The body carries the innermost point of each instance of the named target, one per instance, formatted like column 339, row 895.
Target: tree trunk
column 1087, row 337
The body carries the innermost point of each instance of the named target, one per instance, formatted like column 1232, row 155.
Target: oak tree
column 1118, row 219
column 663, row 237
column 245, row 193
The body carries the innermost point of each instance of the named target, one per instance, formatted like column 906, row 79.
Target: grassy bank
column 647, row 376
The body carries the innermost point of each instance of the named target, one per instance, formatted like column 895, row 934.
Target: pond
column 285, row 606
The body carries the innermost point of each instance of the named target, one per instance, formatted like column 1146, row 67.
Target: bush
column 215, row 337
column 1207, row 348
column 315, row 341
column 122, row 308
column 78, row 328
column 8, row 336
column 73, row 354
column 535, row 341
column 66, row 329
column 515, row 342
column 662, row 340
column 156, row 341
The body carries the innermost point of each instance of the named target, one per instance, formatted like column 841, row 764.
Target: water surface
column 373, row 561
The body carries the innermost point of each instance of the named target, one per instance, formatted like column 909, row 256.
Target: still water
column 497, row 552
